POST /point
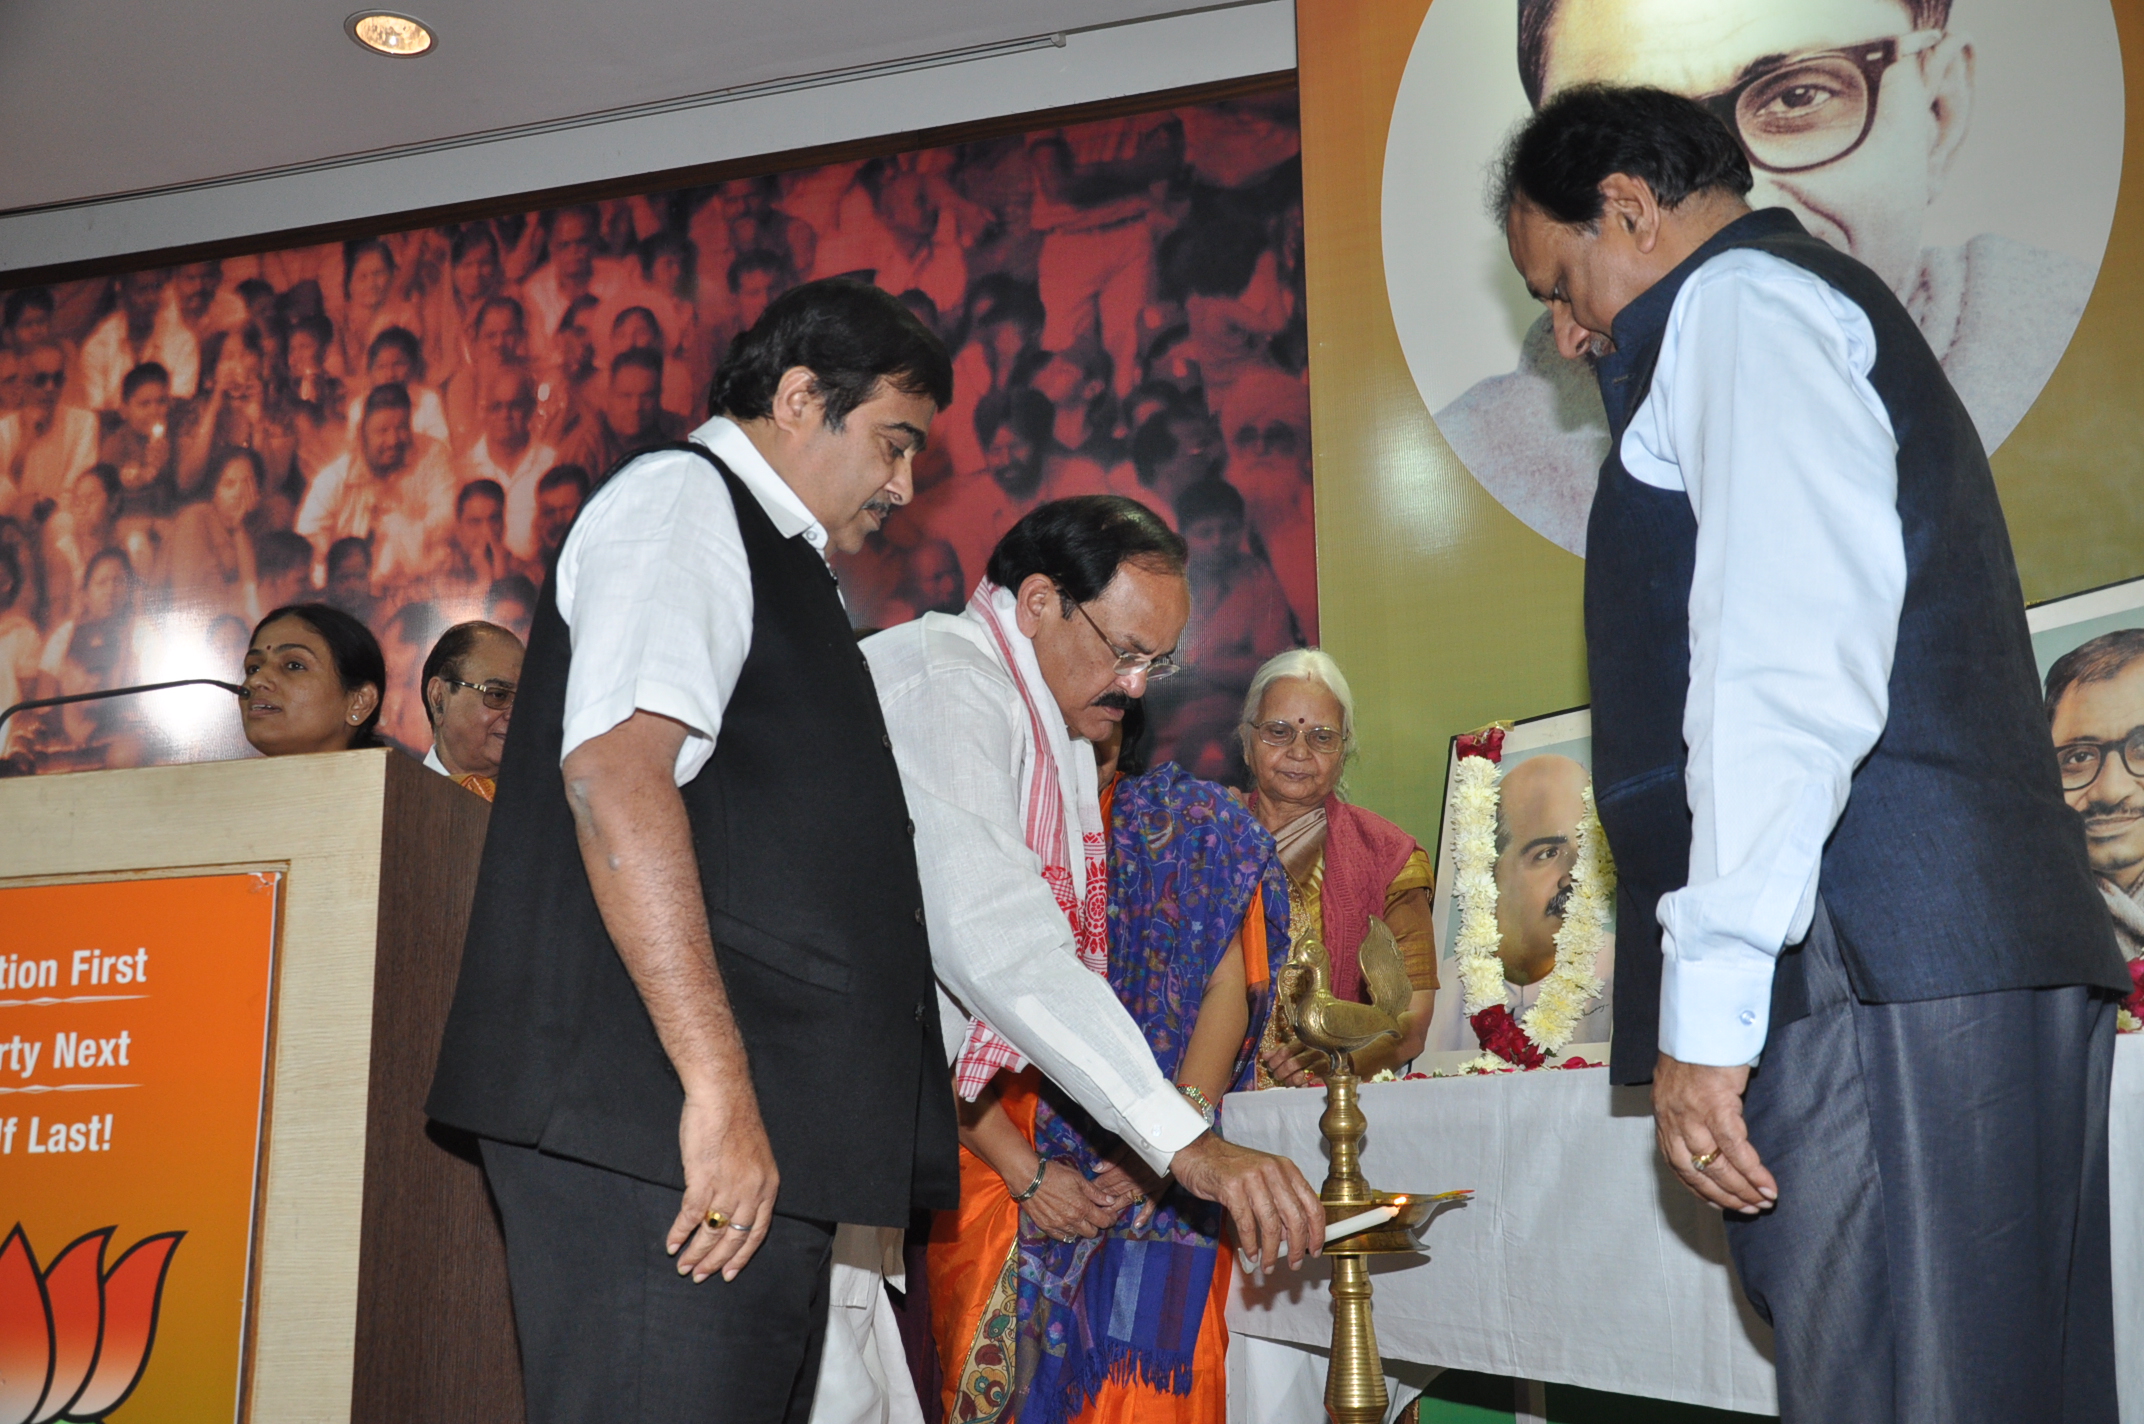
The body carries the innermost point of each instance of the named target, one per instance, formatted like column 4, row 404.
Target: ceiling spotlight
column 384, row 32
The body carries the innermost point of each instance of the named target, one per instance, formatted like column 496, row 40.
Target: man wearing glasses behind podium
column 1852, row 113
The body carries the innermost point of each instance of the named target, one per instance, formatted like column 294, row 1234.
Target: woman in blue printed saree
column 1126, row 1326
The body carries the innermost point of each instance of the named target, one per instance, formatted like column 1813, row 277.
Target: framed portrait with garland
column 1525, row 903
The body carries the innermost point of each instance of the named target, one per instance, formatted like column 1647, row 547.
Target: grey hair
column 1313, row 665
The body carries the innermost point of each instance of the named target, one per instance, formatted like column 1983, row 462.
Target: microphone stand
column 36, row 702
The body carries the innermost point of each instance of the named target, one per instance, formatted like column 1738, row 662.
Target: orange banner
column 134, row 1022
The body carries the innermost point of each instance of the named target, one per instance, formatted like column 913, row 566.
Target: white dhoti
column 863, row 1374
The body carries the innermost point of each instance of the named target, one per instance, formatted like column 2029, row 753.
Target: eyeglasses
column 2082, row 762
column 1807, row 110
column 1322, row 740
column 498, row 696
column 1156, row 666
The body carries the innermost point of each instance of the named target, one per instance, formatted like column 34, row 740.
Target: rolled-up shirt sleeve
column 1000, row 945
column 1764, row 412
column 655, row 587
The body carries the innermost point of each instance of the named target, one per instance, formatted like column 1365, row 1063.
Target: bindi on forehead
column 1700, row 47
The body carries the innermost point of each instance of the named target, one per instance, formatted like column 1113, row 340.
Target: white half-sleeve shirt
column 1761, row 411
column 654, row 587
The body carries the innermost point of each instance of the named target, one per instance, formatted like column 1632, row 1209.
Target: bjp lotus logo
column 75, row 1338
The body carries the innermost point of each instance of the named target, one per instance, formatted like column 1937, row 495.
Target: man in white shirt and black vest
column 696, row 1024
column 1860, row 953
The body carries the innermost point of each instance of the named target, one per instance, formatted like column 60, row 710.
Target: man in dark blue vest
column 1860, row 955
column 696, row 1025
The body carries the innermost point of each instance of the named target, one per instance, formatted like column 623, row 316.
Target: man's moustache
column 883, row 508
column 1558, row 903
column 1113, row 698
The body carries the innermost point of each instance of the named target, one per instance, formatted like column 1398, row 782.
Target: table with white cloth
column 1580, row 1259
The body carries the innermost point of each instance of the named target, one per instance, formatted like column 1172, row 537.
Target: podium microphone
column 36, row 702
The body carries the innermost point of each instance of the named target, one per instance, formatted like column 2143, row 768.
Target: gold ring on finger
column 716, row 1220
column 1704, row 1160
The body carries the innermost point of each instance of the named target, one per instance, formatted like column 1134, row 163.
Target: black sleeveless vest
column 807, row 862
column 1956, row 867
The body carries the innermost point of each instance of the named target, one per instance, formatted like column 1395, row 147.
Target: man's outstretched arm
column 1002, row 949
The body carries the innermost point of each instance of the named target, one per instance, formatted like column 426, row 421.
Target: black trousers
column 612, row 1334
column 1939, row 1253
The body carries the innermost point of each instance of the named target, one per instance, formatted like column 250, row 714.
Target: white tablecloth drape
column 1580, row 1260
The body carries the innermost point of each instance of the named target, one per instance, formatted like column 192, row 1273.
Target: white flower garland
column 1587, row 917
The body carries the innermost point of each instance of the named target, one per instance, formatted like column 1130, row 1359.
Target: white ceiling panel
column 123, row 96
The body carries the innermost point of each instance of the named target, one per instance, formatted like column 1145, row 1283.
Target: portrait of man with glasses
column 2095, row 713
column 1852, row 114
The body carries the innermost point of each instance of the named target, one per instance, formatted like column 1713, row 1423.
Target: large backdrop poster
column 1973, row 152
column 184, row 448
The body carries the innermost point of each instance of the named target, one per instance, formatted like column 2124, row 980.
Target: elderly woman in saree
column 1072, row 1285
column 1344, row 864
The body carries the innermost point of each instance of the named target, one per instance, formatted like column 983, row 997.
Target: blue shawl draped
column 1184, row 860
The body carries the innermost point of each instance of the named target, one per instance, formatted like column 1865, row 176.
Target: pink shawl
column 1364, row 854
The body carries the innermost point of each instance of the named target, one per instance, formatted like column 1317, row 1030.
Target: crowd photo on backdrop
column 403, row 426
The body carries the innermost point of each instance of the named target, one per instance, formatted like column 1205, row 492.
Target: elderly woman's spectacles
column 498, row 696
column 1807, row 110
column 1322, row 740
column 1156, row 666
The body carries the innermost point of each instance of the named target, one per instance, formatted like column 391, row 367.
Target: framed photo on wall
column 1538, row 823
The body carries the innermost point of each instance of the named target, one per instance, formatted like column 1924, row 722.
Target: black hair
column 1538, row 17
column 559, row 475
column 402, row 339
column 147, row 373
column 619, row 320
column 647, row 358
column 21, row 300
column 759, row 259
column 586, row 301
column 850, row 335
column 1208, row 499
column 2098, row 660
column 226, row 455
column 316, row 326
column 351, row 648
column 353, row 250
column 1080, row 543
column 347, row 545
column 1557, row 160
column 388, row 395
column 1133, row 751
column 478, row 489
column 279, row 551
column 1026, row 409
column 1154, row 444
column 656, row 243
column 447, row 656
column 254, row 287
column 108, row 476
column 1000, row 296
column 518, row 587
column 506, row 304
column 471, row 235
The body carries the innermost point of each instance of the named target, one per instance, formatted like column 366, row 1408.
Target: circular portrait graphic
column 1969, row 153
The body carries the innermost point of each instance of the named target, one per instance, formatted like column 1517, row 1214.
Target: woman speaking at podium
column 313, row 681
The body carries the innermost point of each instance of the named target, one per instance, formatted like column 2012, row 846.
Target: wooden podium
column 377, row 1288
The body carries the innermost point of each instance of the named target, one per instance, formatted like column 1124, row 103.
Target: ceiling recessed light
column 384, row 32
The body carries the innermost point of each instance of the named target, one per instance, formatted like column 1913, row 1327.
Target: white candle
column 1361, row 1221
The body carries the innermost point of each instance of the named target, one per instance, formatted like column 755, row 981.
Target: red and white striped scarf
column 1059, row 771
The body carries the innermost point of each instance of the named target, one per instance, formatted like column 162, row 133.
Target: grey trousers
column 612, row 1334
column 1940, row 1250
